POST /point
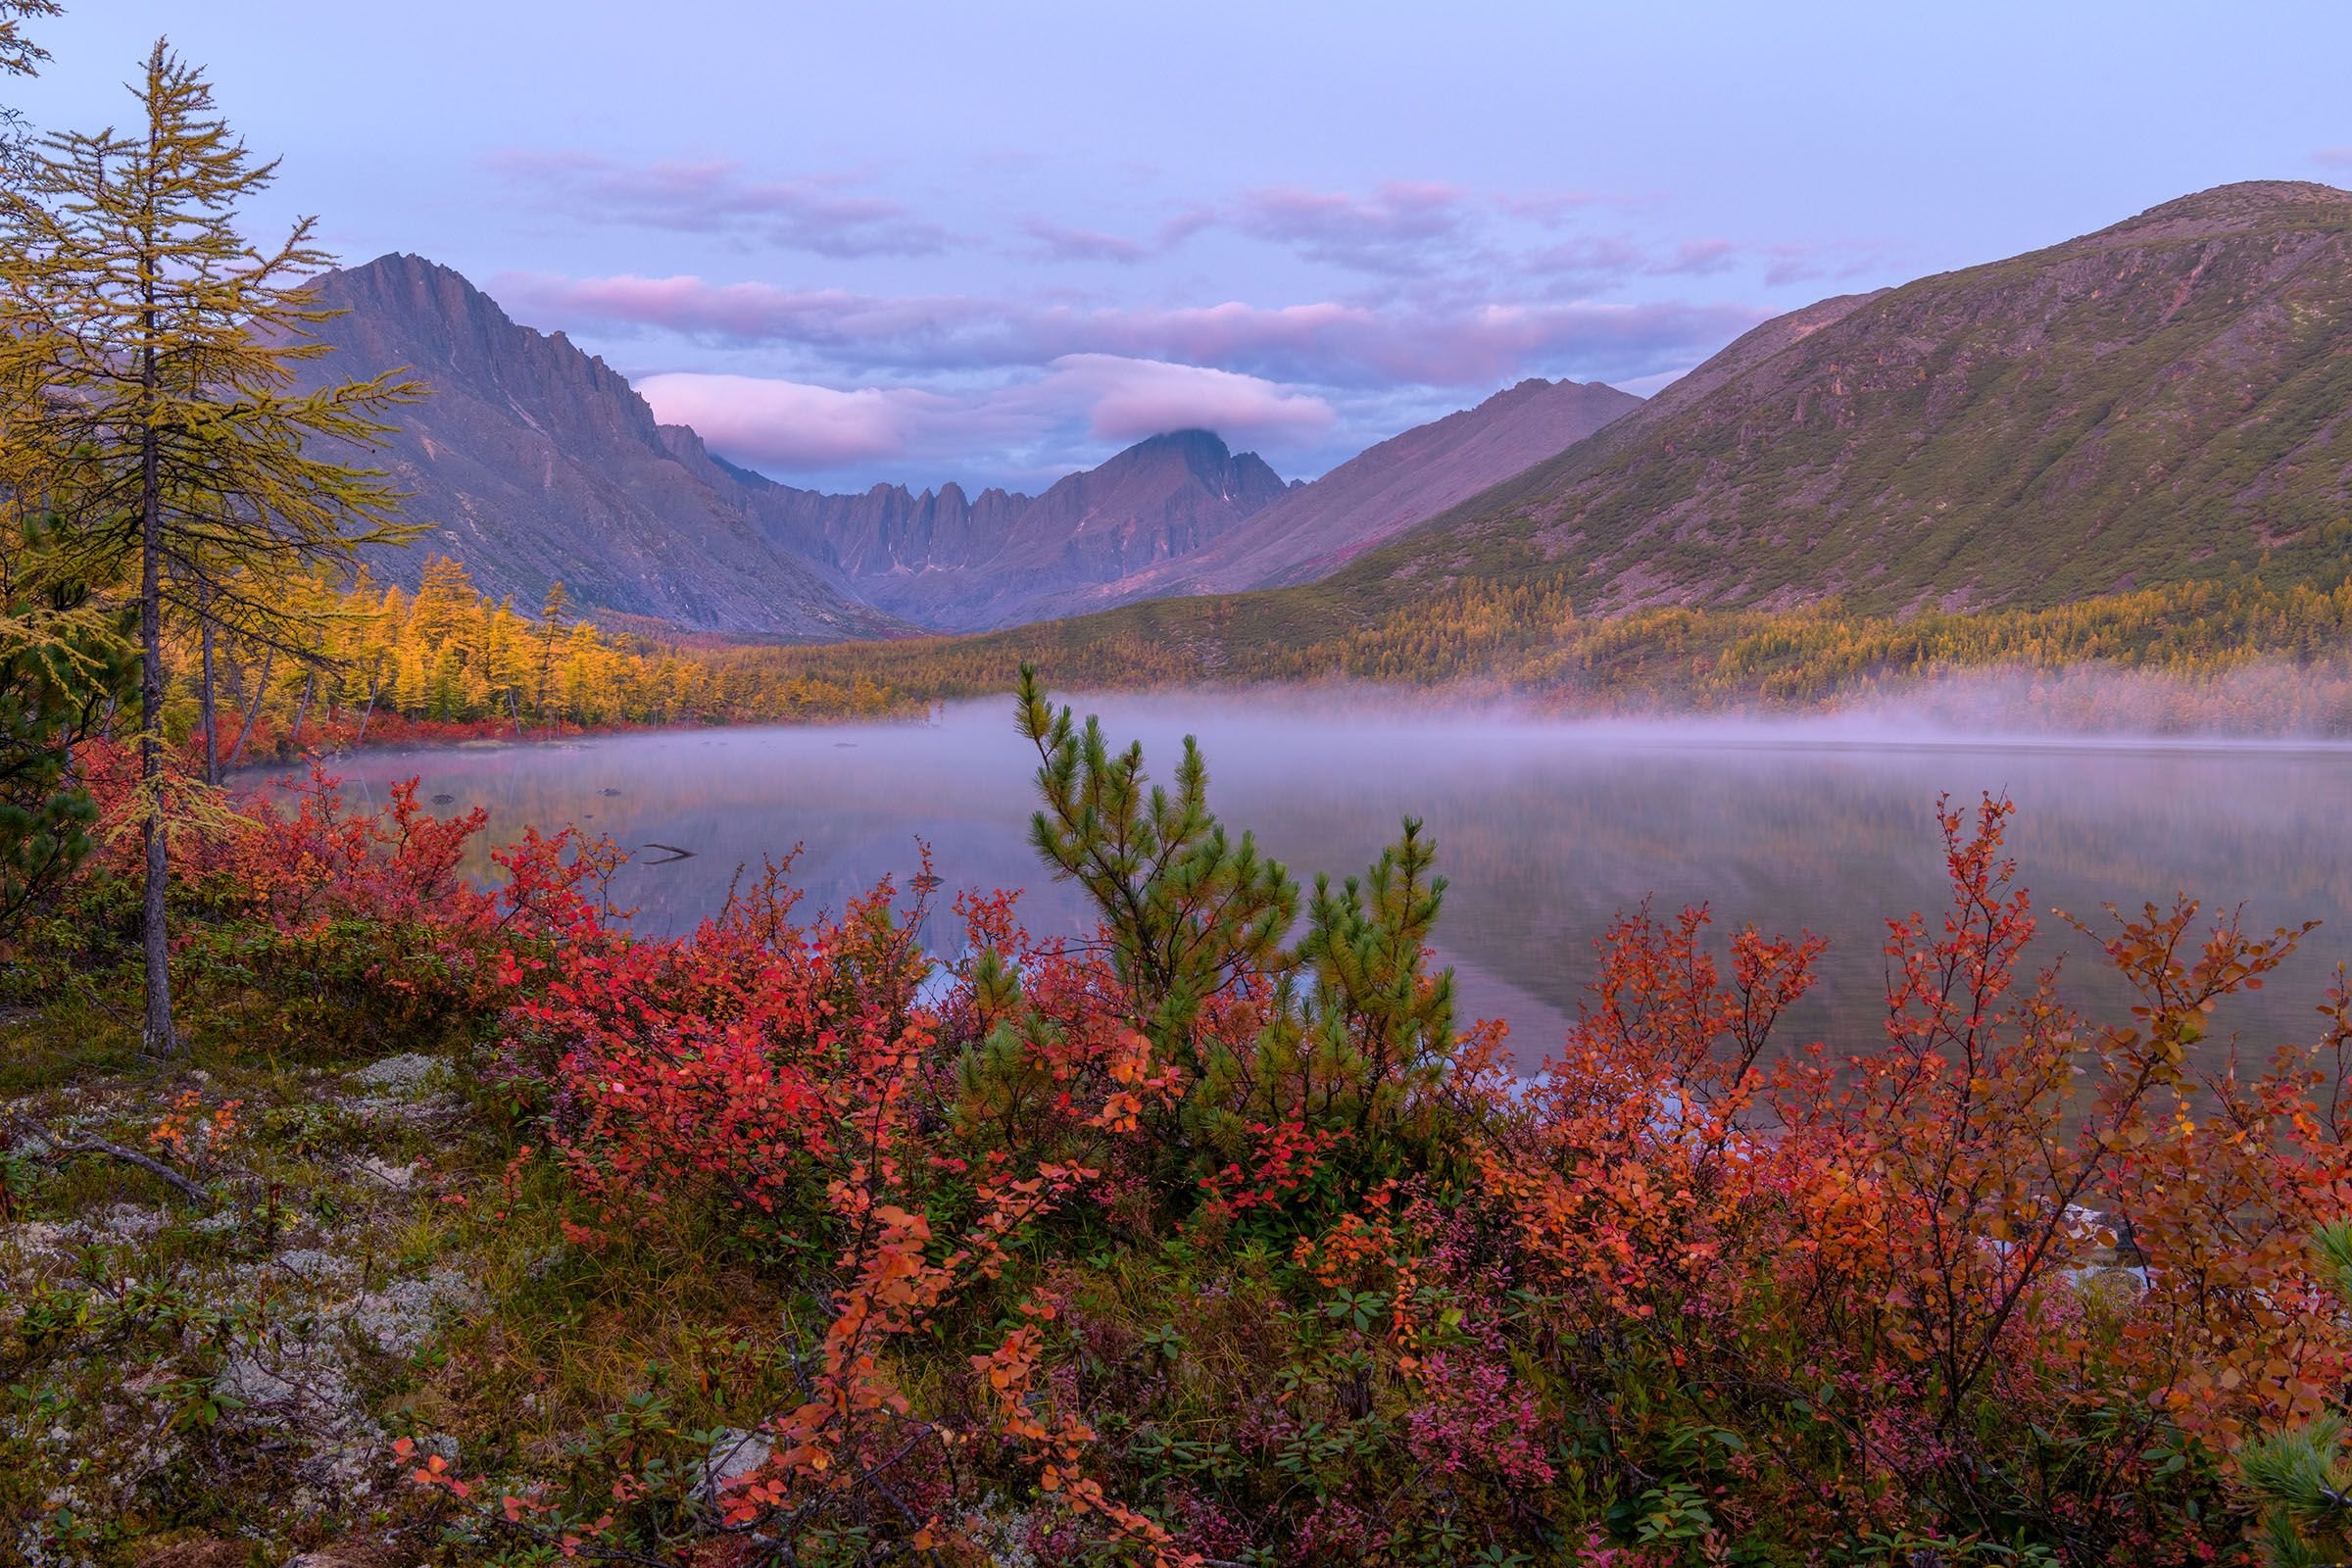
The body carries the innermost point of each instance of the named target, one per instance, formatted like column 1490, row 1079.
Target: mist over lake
column 1546, row 829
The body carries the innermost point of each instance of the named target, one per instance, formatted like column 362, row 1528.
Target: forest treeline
column 1528, row 640
column 445, row 658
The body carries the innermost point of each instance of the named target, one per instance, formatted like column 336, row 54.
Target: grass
column 120, row 1436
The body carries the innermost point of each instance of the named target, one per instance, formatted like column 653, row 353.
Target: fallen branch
column 60, row 1150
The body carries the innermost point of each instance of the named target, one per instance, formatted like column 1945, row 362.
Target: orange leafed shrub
column 1198, row 1243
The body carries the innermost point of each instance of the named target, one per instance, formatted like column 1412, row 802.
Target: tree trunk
column 205, row 699
column 252, row 708
column 160, row 1039
column 302, row 711
column 364, row 715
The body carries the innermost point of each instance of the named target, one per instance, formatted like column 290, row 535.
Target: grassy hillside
column 1524, row 639
column 2134, row 447
column 2167, row 400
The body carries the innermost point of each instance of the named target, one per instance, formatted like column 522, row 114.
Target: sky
column 870, row 242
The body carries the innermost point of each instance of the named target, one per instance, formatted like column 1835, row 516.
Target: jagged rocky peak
column 531, row 461
column 1243, row 477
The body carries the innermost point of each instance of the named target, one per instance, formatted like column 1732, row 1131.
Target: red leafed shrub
column 303, row 912
column 1208, row 1238
column 1999, row 1275
column 2002, row 1266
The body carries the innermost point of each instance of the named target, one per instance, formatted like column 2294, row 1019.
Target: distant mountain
column 533, row 461
column 2165, row 399
column 945, row 559
column 1386, row 490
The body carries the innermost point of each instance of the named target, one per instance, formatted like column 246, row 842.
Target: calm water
column 1546, row 829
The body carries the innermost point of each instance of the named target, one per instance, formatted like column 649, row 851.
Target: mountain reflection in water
column 1545, row 830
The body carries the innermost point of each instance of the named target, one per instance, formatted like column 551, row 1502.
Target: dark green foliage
column 1378, row 1028
column 58, row 682
column 2301, row 1474
column 1187, row 909
column 1358, row 1031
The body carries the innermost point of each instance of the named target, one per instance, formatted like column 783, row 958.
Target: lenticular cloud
column 1128, row 399
column 798, row 426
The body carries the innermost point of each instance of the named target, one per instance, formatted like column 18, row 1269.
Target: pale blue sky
column 921, row 242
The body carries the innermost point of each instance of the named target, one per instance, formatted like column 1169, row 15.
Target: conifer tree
column 1186, row 907
column 64, row 652
column 173, row 347
column 550, row 627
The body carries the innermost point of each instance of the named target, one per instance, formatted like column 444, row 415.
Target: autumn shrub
column 1201, row 1242
column 1214, row 1235
column 301, row 916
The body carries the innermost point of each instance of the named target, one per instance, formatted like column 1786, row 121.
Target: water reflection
column 1546, row 830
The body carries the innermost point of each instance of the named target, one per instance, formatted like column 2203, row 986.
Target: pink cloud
column 1836, row 260
column 1319, row 342
column 1550, row 208
column 2334, row 156
column 1060, row 243
column 1393, row 229
column 797, row 426
column 821, row 214
column 1396, row 210
column 792, row 424
column 1701, row 256
column 1127, row 400
column 1602, row 261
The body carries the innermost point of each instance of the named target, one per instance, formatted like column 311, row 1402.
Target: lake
column 1546, row 828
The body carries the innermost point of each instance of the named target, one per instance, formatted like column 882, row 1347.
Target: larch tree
column 552, row 615
column 63, row 646
column 173, row 349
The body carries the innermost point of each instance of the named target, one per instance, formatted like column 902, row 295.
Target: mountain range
column 534, row 460
column 2164, row 399
column 959, row 564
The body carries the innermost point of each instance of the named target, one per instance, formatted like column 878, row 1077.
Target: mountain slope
column 2161, row 400
column 533, row 461
column 1386, row 489
column 947, row 561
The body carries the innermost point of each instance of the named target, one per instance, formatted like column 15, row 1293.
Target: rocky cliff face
column 2166, row 397
column 962, row 564
column 533, row 462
